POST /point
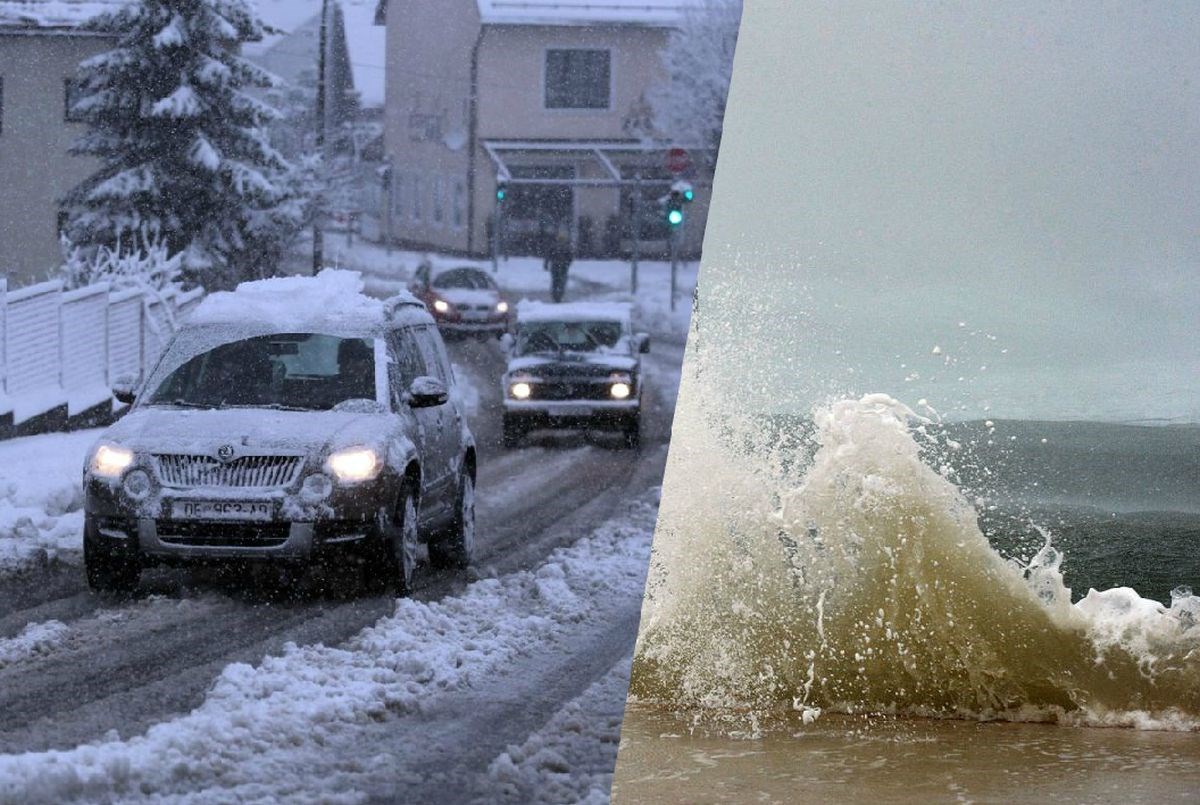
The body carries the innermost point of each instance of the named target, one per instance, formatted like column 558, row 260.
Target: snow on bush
column 263, row 732
column 147, row 263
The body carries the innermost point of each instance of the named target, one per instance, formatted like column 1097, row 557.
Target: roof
column 299, row 21
column 531, row 311
column 52, row 13
column 656, row 13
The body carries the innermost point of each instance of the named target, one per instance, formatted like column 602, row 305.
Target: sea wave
column 852, row 576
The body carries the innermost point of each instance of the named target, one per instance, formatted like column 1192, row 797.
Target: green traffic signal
column 501, row 193
column 675, row 217
column 689, row 194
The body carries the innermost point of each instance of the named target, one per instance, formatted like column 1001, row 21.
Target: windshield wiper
column 269, row 407
column 180, row 404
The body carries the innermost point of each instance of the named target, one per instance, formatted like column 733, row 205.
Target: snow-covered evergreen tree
column 690, row 106
column 181, row 141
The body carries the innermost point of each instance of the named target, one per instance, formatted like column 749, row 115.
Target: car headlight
column 354, row 464
column 520, row 390
column 441, row 305
column 502, row 307
column 110, row 460
column 620, row 390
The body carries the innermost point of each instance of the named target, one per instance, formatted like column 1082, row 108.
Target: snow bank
column 572, row 758
column 34, row 640
column 41, row 497
column 263, row 732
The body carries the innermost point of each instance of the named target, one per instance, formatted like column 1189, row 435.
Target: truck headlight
column 619, row 391
column 441, row 305
column 354, row 464
column 520, row 390
column 502, row 307
column 110, row 460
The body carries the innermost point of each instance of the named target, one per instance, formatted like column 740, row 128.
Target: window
column 399, row 187
column 72, row 92
column 437, row 362
column 416, row 197
column 578, row 79
column 460, row 204
column 306, row 371
column 439, row 200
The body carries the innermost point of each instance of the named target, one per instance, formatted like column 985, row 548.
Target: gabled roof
column 655, row 13
column 52, row 13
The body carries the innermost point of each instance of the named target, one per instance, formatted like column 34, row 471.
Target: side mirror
column 642, row 342
column 507, row 342
column 124, row 389
column 426, row 392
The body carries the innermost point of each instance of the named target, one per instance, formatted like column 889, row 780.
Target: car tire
column 393, row 558
column 455, row 547
column 631, row 436
column 108, row 570
column 514, row 432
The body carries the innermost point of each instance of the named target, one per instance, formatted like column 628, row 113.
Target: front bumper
column 344, row 522
column 568, row 414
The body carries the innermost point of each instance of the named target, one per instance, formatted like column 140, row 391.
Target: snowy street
column 205, row 688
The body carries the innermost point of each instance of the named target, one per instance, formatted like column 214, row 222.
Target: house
column 41, row 45
column 547, row 96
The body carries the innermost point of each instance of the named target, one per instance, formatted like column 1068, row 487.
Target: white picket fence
column 61, row 347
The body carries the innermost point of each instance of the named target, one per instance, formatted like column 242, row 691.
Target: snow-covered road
column 204, row 689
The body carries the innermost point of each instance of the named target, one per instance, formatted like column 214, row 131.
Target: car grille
column 570, row 391
column 246, row 472
column 222, row 535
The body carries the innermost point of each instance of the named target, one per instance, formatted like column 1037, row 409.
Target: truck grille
column 583, row 390
column 223, row 535
column 245, row 472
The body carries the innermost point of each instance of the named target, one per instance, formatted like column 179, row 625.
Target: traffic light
column 501, row 189
column 681, row 194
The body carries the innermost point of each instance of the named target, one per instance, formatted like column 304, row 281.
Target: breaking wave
column 847, row 574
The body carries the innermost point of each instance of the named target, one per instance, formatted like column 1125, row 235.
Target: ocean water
column 874, row 561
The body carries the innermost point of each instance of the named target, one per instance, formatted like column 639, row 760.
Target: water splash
column 857, row 580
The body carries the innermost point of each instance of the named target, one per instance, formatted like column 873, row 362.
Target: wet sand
column 878, row 759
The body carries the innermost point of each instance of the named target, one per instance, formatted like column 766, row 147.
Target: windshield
column 294, row 371
column 573, row 336
column 467, row 278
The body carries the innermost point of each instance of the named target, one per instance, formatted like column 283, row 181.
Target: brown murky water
column 859, row 759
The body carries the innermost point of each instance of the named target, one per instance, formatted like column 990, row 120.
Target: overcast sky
column 993, row 206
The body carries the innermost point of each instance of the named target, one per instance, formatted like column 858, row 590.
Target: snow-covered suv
column 290, row 420
column 574, row 366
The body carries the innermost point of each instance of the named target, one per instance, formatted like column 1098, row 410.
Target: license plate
column 221, row 510
column 571, row 410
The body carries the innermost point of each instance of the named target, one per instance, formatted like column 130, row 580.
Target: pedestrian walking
column 558, row 260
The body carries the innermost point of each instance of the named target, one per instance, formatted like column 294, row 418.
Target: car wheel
column 393, row 557
column 514, row 432
column 456, row 547
column 108, row 570
column 632, row 435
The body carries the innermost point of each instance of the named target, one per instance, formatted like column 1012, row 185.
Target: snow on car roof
column 334, row 298
column 531, row 311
